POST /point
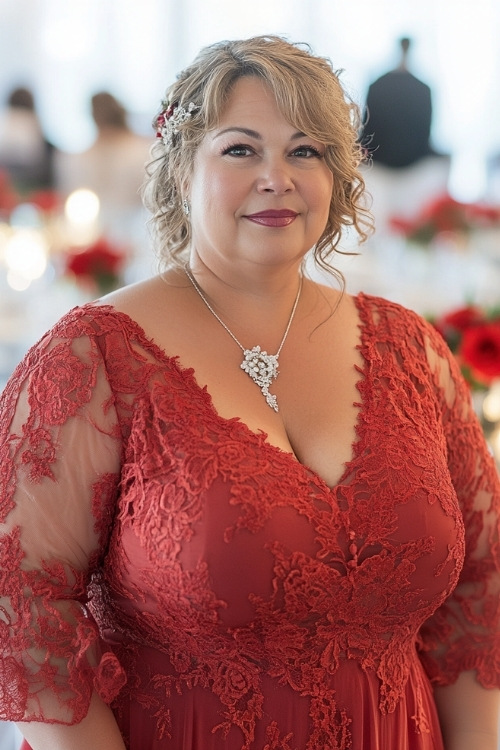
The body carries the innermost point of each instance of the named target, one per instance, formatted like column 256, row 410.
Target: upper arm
column 464, row 634
column 60, row 454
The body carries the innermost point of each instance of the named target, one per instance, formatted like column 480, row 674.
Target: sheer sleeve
column 464, row 633
column 60, row 453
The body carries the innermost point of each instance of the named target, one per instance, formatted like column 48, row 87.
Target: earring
column 185, row 207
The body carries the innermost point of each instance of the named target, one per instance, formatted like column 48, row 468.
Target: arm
column 468, row 714
column 60, row 452
column 462, row 639
column 98, row 730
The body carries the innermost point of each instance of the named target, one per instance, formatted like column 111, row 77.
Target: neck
column 247, row 283
column 256, row 310
column 258, row 363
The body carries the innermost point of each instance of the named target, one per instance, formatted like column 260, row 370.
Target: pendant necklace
column 259, row 365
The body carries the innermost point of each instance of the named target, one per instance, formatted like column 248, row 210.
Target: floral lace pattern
column 213, row 589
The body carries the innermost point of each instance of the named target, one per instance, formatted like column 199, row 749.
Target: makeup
column 273, row 218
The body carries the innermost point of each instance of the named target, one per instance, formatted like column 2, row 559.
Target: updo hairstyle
column 311, row 98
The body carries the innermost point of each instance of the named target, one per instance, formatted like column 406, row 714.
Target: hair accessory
column 261, row 366
column 185, row 207
column 170, row 119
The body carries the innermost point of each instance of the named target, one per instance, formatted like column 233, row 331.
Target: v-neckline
column 188, row 374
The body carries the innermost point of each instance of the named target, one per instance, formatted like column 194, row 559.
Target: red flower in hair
column 163, row 118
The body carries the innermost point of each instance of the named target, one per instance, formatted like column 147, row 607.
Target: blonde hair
column 309, row 95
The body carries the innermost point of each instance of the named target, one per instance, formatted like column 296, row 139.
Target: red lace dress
column 210, row 587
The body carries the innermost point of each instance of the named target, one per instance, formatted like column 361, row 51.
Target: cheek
column 328, row 184
column 216, row 193
column 321, row 193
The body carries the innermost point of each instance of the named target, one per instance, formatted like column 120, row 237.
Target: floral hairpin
column 170, row 119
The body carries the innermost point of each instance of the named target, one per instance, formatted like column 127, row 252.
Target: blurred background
column 81, row 80
column 66, row 50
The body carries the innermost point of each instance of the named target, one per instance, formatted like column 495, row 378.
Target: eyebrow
column 253, row 133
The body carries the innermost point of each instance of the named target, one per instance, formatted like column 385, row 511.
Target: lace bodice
column 159, row 553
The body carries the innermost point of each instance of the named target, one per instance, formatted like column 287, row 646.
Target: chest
column 211, row 508
column 316, row 390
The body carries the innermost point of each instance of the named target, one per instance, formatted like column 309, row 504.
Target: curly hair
column 310, row 96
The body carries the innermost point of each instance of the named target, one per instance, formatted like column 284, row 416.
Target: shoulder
column 106, row 326
column 382, row 309
column 151, row 303
column 383, row 317
column 89, row 320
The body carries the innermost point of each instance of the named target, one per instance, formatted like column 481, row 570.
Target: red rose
column 100, row 265
column 99, row 258
column 446, row 214
column 453, row 325
column 462, row 318
column 480, row 350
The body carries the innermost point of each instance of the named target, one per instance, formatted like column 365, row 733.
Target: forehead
column 249, row 97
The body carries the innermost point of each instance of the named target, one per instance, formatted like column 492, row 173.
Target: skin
column 468, row 714
column 254, row 161
column 98, row 730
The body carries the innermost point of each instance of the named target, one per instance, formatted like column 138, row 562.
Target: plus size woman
column 242, row 509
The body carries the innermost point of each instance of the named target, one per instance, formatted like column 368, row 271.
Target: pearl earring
column 185, row 207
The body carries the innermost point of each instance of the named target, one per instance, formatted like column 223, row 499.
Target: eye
column 238, row 150
column 307, row 152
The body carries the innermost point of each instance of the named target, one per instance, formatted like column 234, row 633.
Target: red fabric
column 214, row 590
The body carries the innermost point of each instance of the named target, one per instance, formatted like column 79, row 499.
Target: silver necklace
column 261, row 366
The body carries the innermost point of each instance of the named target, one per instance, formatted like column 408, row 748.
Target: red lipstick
column 273, row 218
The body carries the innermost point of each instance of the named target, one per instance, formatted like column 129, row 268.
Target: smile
column 282, row 218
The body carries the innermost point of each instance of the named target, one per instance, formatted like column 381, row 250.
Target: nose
column 276, row 177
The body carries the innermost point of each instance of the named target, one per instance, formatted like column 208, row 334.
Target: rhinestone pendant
column 263, row 369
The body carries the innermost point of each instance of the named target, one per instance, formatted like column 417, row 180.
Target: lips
column 273, row 218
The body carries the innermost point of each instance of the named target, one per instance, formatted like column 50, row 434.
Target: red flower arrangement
column 473, row 335
column 8, row 196
column 99, row 266
column 47, row 201
column 445, row 215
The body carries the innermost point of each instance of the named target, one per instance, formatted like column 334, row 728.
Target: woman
column 112, row 167
column 234, row 499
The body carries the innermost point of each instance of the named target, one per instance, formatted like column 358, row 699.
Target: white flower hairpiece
column 170, row 119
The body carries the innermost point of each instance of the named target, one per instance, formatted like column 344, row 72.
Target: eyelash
column 314, row 151
column 242, row 147
column 233, row 147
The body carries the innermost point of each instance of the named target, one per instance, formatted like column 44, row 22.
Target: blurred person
column 398, row 116
column 26, row 155
column 404, row 169
column 113, row 166
column 241, row 508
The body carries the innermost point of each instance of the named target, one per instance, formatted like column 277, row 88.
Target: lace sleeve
column 464, row 633
column 59, row 465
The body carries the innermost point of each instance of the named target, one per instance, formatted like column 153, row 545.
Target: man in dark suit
column 398, row 116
